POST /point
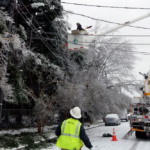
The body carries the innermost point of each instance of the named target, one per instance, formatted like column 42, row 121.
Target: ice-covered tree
column 28, row 70
column 99, row 77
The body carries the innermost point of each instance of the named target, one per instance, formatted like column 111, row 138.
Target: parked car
column 124, row 115
column 112, row 119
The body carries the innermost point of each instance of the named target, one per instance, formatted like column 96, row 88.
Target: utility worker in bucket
column 71, row 134
column 79, row 27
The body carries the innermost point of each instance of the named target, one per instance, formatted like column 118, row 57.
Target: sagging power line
column 107, row 6
column 52, row 33
column 126, row 23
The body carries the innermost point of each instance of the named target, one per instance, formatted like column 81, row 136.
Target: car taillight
column 146, row 116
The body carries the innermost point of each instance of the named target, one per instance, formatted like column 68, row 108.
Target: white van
column 124, row 115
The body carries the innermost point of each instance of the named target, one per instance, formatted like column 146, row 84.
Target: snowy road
column 105, row 143
column 101, row 143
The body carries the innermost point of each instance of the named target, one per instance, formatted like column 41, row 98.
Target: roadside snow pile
column 30, row 130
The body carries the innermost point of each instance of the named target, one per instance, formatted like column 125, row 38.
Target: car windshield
column 111, row 115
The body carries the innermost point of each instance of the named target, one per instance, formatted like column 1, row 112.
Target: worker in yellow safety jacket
column 71, row 134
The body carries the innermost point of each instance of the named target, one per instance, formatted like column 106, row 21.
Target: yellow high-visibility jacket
column 69, row 138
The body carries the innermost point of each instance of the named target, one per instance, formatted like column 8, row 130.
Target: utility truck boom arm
column 79, row 41
column 124, row 24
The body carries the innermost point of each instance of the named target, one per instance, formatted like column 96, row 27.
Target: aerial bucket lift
column 76, row 39
column 79, row 40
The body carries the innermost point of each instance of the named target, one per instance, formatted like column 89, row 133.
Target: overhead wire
column 58, row 15
column 50, row 23
column 61, row 27
column 106, row 20
column 39, row 26
column 100, row 35
column 90, row 35
column 36, row 32
column 136, row 52
column 106, row 6
column 108, row 43
column 34, row 29
column 79, row 42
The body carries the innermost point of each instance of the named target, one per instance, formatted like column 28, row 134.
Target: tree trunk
column 39, row 125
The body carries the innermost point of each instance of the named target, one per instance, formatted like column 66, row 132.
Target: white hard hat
column 76, row 112
column 78, row 23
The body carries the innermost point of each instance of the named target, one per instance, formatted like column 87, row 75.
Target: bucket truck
column 140, row 106
column 140, row 111
column 79, row 40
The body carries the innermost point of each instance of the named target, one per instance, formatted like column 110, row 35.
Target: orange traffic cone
column 114, row 138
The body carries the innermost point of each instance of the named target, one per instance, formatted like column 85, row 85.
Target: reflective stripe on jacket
column 69, row 138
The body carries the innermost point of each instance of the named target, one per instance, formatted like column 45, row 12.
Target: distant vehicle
column 112, row 119
column 124, row 115
column 129, row 115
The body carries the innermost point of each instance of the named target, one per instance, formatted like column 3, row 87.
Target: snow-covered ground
column 105, row 143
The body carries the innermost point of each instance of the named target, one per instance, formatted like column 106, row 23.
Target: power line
column 40, row 37
column 51, row 24
column 79, row 42
column 106, row 20
column 130, row 51
column 60, row 27
column 110, row 43
column 30, row 14
column 134, row 52
column 106, row 6
column 52, row 33
column 139, row 44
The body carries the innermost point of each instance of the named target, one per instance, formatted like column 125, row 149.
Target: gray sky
column 119, row 16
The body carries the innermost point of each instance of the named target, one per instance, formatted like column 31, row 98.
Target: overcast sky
column 119, row 16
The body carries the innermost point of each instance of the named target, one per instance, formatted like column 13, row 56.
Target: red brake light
column 146, row 116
